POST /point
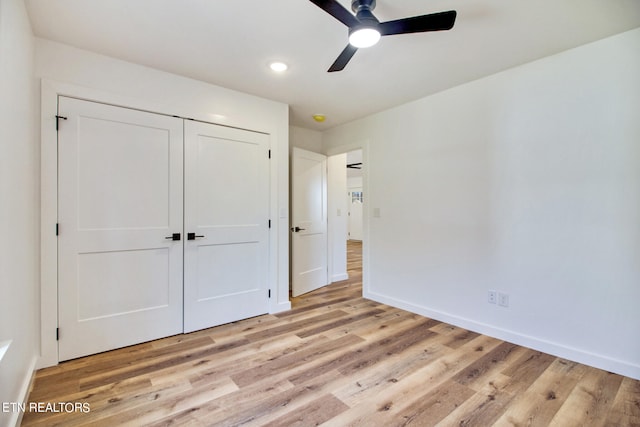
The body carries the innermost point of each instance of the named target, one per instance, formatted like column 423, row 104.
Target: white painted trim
column 279, row 276
column 4, row 346
column 556, row 349
column 15, row 419
column 339, row 277
column 280, row 307
column 279, row 202
column 48, row 220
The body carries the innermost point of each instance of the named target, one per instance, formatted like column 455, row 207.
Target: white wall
column 19, row 205
column 79, row 73
column 354, row 182
column 526, row 182
column 337, row 217
column 307, row 139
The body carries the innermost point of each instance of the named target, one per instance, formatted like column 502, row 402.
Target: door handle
column 174, row 236
column 192, row 236
column 297, row 229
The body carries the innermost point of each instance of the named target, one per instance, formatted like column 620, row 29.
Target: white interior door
column 227, row 215
column 355, row 213
column 308, row 221
column 119, row 204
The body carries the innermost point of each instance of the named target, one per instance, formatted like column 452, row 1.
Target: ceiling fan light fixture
column 364, row 37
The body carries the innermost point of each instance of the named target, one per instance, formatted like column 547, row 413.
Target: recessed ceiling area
column 228, row 43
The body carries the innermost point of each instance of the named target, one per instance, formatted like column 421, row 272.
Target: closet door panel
column 120, row 193
column 226, row 210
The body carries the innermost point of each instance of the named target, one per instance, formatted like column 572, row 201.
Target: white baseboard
column 16, row 417
column 280, row 307
column 577, row 355
column 339, row 277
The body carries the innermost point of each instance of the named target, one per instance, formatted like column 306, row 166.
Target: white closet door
column 119, row 198
column 227, row 212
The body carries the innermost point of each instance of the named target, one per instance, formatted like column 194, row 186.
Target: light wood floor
column 337, row 359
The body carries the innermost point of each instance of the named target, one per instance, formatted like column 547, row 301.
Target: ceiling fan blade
column 335, row 9
column 419, row 24
column 343, row 59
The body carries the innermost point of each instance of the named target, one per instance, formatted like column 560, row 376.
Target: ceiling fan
column 365, row 30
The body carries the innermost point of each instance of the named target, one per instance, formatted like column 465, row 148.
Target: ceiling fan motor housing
column 357, row 5
column 363, row 10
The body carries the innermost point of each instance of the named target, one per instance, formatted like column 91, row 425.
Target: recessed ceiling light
column 278, row 67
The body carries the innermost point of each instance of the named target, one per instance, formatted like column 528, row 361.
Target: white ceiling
column 231, row 42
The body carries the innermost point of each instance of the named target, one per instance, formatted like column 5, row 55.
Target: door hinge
column 269, row 153
column 269, row 293
column 269, row 223
column 58, row 121
column 57, row 228
column 57, row 334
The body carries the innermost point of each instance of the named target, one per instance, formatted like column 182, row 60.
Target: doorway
column 347, row 219
column 330, row 204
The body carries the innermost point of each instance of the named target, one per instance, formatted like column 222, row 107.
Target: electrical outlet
column 492, row 297
column 503, row 299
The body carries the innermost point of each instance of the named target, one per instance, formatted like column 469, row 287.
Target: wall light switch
column 376, row 212
column 339, row 212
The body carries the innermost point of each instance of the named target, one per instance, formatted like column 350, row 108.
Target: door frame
column 279, row 194
column 343, row 149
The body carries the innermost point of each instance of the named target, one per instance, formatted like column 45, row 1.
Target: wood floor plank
column 526, row 369
column 235, row 409
column 146, row 408
column 295, row 326
column 147, row 367
column 537, row 406
column 381, row 350
column 625, row 410
column 312, row 414
column 367, row 355
column 430, row 408
column 490, row 362
column 307, row 332
column 480, row 410
column 590, row 400
column 335, row 359
column 365, row 402
column 289, row 361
